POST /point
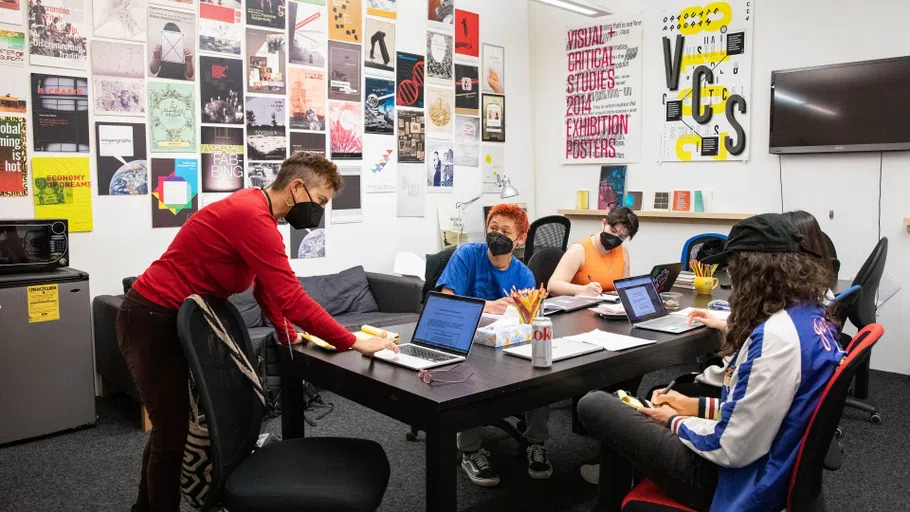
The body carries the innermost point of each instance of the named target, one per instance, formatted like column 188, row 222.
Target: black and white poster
column 222, row 159
column 266, row 133
column 380, row 45
column 348, row 203
column 344, row 71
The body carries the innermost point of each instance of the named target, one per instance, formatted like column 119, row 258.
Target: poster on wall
column 308, row 243
column 266, row 134
column 175, row 191
column 220, row 27
column 440, row 166
column 441, row 13
column 379, row 169
column 60, row 113
column 13, row 156
column 411, row 136
column 172, row 117
column 493, row 164
column 493, row 69
column 119, row 19
column 221, row 90
column 611, row 187
column 467, row 141
column 440, row 112
column 121, row 159
column 603, row 92
column 411, row 193
column 346, row 20
column 265, row 62
column 307, row 87
column 380, row 40
column 176, row 4
column 10, row 12
column 347, row 205
column 58, row 32
column 494, row 118
column 440, row 48
column 451, row 226
column 122, row 60
column 344, row 71
column 63, row 190
column 379, row 107
column 262, row 174
column 383, row 8
column 706, row 50
column 467, row 90
column 467, row 35
column 346, row 130
column 13, row 96
column 171, row 39
column 222, row 158
column 307, row 32
column 409, row 75
column 265, row 13
column 118, row 97
column 313, row 143
column 12, row 47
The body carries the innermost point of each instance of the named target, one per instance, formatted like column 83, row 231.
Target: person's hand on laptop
column 705, row 317
column 498, row 307
column 373, row 344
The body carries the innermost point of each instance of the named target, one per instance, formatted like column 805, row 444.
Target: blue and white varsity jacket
column 770, row 390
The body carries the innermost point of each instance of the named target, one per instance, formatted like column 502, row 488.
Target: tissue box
column 503, row 335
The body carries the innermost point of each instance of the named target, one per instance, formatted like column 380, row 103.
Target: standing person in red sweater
column 220, row 251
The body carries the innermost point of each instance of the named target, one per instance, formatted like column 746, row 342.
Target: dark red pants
column 147, row 335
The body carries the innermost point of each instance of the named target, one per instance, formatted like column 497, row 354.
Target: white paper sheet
column 610, row 341
column 172, row 47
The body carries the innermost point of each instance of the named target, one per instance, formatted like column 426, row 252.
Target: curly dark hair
column 765, row 283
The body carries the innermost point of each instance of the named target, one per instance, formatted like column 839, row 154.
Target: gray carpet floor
column 97, row 468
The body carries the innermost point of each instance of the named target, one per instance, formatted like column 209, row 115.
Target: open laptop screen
column 640, row 299
column 448, row 322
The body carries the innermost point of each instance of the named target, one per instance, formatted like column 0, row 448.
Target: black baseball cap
column 768, row 232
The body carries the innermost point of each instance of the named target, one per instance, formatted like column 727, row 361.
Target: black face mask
column 609, row 240
column 499, row 244
column 304, row 215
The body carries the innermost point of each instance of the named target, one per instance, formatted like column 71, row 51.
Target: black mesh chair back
column 232, row 410
column 869, row 277
column 544, row 263
column 551, row 231
column 692, row 249
column 436, row 264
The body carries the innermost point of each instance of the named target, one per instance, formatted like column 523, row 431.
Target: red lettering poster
column 467, row 35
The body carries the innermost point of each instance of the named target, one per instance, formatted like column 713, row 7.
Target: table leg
column 441, row 471
column 292, row 421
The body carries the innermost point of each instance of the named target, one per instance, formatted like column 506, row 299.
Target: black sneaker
column 477, row 466
column 539, row 466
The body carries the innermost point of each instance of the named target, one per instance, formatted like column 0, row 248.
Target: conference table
column 501, row 386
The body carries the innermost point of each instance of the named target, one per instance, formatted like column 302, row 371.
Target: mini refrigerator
column 46, row 353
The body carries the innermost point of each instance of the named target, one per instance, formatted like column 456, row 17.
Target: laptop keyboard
column 667, row 321
column 422, row 353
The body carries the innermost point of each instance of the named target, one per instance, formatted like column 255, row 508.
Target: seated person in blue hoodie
column 735, row 452
column 488, row 271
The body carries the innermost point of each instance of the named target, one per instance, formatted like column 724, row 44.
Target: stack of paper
column 610, row 341
column 685, row 280
column 685, row 313
column 610, row 310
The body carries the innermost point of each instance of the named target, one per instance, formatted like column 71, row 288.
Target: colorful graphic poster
column 307, row 32
column 611, row 187
column 121, row 159
column 409, row 75
column 467, row 35
column 346, row 130
column 265, row 13
column 440, row 166
column 63, row 190
column 379, row 108
column 172, row 117
column 467, row 90
column 383, row 8
column 176, row 4
column 221, row 90
column 222, row 159
column 411, row 194
column 439, row 58
column 265, row 62
column 344, row 71
column 441, row 13
column 411, row 136
column 220, row 27
column 10, row 12
column 709, row 48
column 171, row 39
column 175, row 191
column 263, row 174
column 307, row 99
column 494, row 118
column 380, row 39
column 122, row 60
column 348, row 202
column 346, row 20
column 493, row 165
column 308, row 243
column 13, row 156
column 313, row 143
column 60, row 113
column 58, row 33
column 119, row 19
column 118, row 97
column 493, row 69
column 13, row 96
column 467, row 141
column 12, row 45
column 379, row 173
column 266, row 133
column 440, row 112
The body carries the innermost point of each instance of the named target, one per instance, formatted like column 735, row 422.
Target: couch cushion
column 353, row 321
column 345, row 292
column 249, row 308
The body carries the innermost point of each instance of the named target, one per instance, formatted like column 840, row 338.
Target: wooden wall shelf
column 663, row 216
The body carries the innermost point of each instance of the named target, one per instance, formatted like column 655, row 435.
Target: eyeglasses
column 428, row 377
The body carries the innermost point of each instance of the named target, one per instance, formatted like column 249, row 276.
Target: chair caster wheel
column 838, row 433
column 411, row 436
column 875, row 419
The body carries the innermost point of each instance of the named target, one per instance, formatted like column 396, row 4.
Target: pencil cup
column 704, row 285
column 581, row 200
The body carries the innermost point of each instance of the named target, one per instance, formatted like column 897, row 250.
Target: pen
column 590, row 278
column 669, row 387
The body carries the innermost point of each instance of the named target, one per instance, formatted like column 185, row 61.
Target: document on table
column 606, row 297
column 610, row 341
column 723, row 315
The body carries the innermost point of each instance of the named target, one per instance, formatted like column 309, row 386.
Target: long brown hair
column 765, row 283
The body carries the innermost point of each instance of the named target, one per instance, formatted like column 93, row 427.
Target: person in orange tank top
column 591, row 264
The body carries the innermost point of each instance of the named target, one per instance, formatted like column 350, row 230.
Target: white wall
column 123, row 242
column 787, row 34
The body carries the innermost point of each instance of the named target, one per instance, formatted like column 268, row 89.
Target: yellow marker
column 628, row 399
column 379, row 333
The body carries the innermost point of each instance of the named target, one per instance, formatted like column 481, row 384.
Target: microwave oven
column 33, row 245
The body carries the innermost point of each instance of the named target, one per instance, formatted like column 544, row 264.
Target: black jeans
column 631, row 442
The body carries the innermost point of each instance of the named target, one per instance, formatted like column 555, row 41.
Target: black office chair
column 299, row 474
column 691, row 248
column 551, row 231
column 831, row 250
column 544, row 263
column 436, row 264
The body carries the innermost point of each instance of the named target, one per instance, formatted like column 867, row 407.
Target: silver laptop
column 444, row 333
column 645, row 309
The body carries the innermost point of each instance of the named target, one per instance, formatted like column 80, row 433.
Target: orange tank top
column 603, row 268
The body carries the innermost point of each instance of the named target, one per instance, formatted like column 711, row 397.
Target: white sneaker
column 591, row 473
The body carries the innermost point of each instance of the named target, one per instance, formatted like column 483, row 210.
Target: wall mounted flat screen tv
column 858, row 106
